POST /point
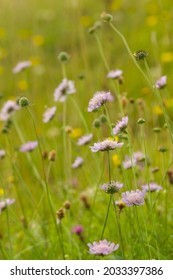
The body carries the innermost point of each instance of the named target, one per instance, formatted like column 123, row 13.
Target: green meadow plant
column 86, row 142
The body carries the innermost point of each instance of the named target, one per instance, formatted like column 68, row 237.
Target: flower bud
column 141, row 121
column 52, row 155
column 24, row 102
column 60, row 213
column 140, row 55
column 63, row 57
column 67, row 204
column 106, row 17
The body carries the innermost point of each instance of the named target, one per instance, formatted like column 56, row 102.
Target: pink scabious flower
column 112, row 187
column 5, row 203
column 2, row 154
column 8, row 109
column 49, row 114
column 65, row 87
column 77, row 163
column 99, row 99
column 85, row 139
column 120, row 126
column 151, row 187
column 137, row 159
column 105, row 145
column 29, row 146
column 102, row 248
column 129, row 163
column 133, row 197
column 21, row 66
column 78, row 229
column 115, row 74
column 161, row 83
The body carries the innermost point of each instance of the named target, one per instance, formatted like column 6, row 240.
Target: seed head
column 140, row 55
column 52, row 155
column 63, row 57
column 24, row 102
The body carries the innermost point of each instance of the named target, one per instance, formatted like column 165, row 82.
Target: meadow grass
column 59, row 196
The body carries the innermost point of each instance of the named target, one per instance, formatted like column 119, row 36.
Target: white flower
column 21, row 66
column 77, row 163
column 114, row 74
column 105, row 145
column 8, row 109
column 49, row 114
column 85, row 139
column 121, row 125
column 64, row 88
column 98, row 100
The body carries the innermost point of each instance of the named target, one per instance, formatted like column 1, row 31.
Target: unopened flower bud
column 63, row 57
column 96, row 123
column 24, row 102
column 106, row 17
column 140, row 55
column 52, row 155
column 60, row 213
column 156, row 129
column 103, row 119
column 67, row 204
column 141, row 121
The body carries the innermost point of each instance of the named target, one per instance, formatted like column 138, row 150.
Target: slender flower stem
column 148, row 77
column 80, row 114
column 115, row 87
column 46, row 184
column 111, row 196
column 157, row 93
column 119, row 230
column 109, row 166
column 101, row 52
column 128, row 50
column 107, row 214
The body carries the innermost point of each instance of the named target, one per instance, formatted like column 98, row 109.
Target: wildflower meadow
column 86, row 130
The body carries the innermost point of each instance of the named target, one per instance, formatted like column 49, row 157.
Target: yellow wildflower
column 38, row 40
column 1, row 192
column 116, row 160
column 167, row 57
column 75, row 133
column 86, row 21
column 157, row 110
column 22, row 85
column 152, row 20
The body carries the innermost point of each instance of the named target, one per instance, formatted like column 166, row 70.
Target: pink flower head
column 78, row 229
column 105, row 145
column 5, row 203
column 49, row 114
column 29, row 146
column 2, row 154
column 151, row 187
column 120, row 126
column 161, row 83
column 133, row 197
column 65, row 87
column 115, row 74
column 98, row 100
column 102, row 248
column 77, row 163
column 8, row 109
column 85, row 139
column 21, row 66
column 111, row 187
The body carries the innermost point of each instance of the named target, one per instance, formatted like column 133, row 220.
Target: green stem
column 106, row 218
